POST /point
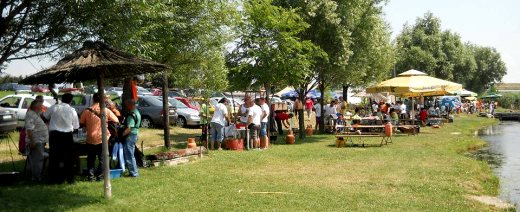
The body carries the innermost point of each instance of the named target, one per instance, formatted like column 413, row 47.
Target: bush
column 509, row 101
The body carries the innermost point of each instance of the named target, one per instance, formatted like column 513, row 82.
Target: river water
column 503, row 153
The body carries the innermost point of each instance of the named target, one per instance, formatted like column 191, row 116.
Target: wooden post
column 166, row 109
column 104, row 137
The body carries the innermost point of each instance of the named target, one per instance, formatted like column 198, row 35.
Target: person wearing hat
column 218, row 122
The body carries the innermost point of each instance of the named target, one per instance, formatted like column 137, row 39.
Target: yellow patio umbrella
column 414, row 83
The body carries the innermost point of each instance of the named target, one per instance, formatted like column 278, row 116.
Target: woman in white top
column 37, row 136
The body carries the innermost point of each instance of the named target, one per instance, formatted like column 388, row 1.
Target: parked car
column 8, row 120
column 39, row 89
column 187, row 102
column 186, row 116
column 236, row 103
column 151, row 109
column 80, row 102
column 115, row 91
column 10, row 86
column 69, row 87
column 19, row 104
column 22, row 89
column 175, row 93
column 142, row 91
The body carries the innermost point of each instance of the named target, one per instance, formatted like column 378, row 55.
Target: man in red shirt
column 282, row 117
column 309, row 104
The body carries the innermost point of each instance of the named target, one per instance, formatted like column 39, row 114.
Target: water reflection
column 503, row 154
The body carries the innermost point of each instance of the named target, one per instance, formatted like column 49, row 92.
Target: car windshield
column 176, row 103
column 117, row 89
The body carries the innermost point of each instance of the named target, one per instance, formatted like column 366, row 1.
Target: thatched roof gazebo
column 91, row 61
column 97, row 61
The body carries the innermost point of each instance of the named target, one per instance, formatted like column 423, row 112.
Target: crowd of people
column 253, row 114
column 57, row 124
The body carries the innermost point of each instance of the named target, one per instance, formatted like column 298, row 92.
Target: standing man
column 309, row 105
column 218, row 122
column 254, row 121
column 132, row 123
column 36, row 138
column 317, row 108
column 402, row 108
column 265, row 119
column 63, row 120
column 90, row 119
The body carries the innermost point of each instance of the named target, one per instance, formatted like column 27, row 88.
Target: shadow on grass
column 42, row 198
column 357, row 145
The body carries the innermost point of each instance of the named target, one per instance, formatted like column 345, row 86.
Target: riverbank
column 425, row 172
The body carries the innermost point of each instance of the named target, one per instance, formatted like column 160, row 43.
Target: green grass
column 416, row 173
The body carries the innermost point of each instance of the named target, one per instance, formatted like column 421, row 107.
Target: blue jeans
column 217, row 132
column 263, row 129
column 129, row 148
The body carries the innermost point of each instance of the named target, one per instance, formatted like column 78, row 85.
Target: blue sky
column 483, row 22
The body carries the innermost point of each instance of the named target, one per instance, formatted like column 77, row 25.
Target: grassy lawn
column 424, row 172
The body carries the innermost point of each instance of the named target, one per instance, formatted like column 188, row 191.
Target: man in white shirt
column 218, row 122
column 317, row 109
column 63, row 120
column 402, row 108
column 254, row 121
column 265, row 118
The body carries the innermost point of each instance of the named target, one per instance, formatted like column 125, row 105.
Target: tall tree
column 354, row 37
column 489, row 69
column 270, row 49
column 425, row 46
column 31, row 28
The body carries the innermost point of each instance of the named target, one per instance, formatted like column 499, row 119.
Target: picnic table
column 349, row 136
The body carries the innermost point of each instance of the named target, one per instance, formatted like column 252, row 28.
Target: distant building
column 508, row 87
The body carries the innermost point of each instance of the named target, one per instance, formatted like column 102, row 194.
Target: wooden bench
column 349, row 136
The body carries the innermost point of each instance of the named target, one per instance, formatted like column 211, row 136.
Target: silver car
column 151, row 110
column 186, row 116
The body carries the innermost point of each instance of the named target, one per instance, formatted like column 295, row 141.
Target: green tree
column 489, row 68
column 270, row 50
column 354, row 37
column 424, row 46
column 34, row 28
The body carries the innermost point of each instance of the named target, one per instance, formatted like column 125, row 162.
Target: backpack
column 124, row 124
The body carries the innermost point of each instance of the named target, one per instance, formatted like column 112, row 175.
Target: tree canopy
column 441, row 53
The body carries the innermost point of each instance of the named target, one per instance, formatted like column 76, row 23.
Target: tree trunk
column 322, row 112
column 345, row 92
column 301, row 116
column 166, row 109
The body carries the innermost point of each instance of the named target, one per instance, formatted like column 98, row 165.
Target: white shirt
column 244, row 111
column 219, row 116
column 331, row 110
column 62, row 117
column 35, row 123
column 256, row 114
column 403, row 109
column 317, row 108
column 265, row 109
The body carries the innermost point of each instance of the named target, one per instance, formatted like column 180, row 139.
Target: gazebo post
column 106, row 162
